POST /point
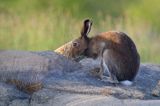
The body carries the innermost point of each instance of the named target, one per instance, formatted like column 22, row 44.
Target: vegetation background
column 48, row 24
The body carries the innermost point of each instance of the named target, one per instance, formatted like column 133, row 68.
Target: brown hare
column 75, row 48
column 117, row 53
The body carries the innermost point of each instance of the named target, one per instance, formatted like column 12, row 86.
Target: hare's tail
column 126, row 82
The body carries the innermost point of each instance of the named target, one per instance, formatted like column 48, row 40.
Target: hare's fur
column 119, row 55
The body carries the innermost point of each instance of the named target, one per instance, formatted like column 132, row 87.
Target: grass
column 46, row 32
column 35, row 28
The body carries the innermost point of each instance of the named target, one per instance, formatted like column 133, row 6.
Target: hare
column 75, row 48
column 117, row 53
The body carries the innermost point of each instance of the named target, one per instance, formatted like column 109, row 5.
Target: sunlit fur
column 73, row 51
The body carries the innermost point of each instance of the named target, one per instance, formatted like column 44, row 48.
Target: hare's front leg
column 98, row 71
column 111, row 78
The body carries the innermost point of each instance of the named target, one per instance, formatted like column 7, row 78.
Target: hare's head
column 80, row 44
column 77, row 47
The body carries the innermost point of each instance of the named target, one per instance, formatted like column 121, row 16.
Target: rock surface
column 66, row 82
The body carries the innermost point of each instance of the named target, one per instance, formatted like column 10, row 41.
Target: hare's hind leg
column 114, row 79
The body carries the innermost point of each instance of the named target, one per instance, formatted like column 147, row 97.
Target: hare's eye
column 75, row 44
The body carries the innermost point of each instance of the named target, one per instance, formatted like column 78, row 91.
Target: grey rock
column 17, row 64
column 156, row 90
column 19, row 102
column 66, row 82
column 8, row 93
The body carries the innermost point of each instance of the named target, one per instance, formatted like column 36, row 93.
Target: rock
column 65, row 82
column 156, row 90
column 21, row 63
column 20, row 102
column 9, row 93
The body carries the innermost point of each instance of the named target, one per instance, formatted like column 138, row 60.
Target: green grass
column 45, row 25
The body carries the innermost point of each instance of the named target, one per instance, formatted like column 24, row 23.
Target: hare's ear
column 86, row 28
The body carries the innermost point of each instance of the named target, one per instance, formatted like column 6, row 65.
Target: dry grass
column 47, row 31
